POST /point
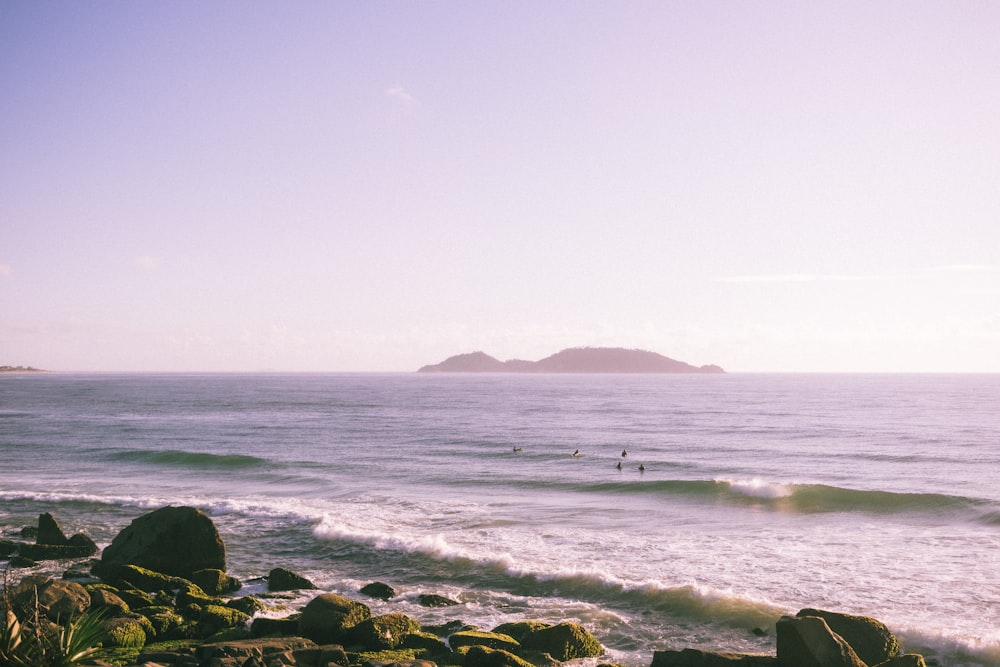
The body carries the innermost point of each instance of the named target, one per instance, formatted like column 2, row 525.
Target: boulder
column 280, row 579
column 432, row 600
column 127, row 632
column 214, row 618
column 378, row 590
column 111, row 602
column 270, row 627
column 487, row 639
column 690, row 657
column 808, row 641
column 565, row 641
column 149, row 581
column 520, row 629
column 327, row 618
column 57, row 551
column 49, row 531
column 215, row 582
column 176, row 541
column 483, row 656
column 871, row 639
column 58, row 600
column 384, row 632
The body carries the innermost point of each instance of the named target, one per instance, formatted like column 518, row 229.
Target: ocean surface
column 760, row 495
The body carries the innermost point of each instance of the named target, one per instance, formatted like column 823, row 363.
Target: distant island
column 20, row 369
column 572, row 360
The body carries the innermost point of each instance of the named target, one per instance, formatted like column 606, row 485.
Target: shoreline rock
column 142, row 608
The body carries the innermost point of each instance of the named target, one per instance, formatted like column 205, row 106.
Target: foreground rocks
column 165, row 599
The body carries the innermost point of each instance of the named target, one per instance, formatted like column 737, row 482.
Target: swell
column 186, row 459
column 793, row 498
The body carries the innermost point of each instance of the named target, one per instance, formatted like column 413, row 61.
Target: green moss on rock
column 382, row 632
column 126, row 632
column 565, row 641
column 489, row 639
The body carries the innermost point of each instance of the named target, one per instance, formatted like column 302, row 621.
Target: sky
column 374, row 186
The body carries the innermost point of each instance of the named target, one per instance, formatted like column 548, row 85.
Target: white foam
column 758, row 488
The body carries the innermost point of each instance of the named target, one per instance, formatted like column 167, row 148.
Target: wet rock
column 382, row 632
column 690, row 657
column 488, row 639
column 483, row 656
column 431, row 600
column 269, row 627
column 378, row 590
column 871, row 639
column 280, row 579
column 49, row 531
column 520, row 629
column 175, row 541
column 215, row 582
column 808, row 641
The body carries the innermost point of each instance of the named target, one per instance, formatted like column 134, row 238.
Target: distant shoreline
column 21, row 369
column 572, row 360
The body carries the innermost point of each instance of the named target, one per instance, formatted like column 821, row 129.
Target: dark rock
column 380, row 633
column 327, row 618
column 22, row 562
column 8, row 547
column 871, row 639
column 263, row 649
column 690, row 657
column 904, row 660
column 56, row 551
column 270, row 627
column 445, row 629
column 166, row 622
column 83, row 541
column 425, row 642
column 565, row 641
column 176, row 541
column 49, row 531
column 29, row 532
column 280, row 579
column 378, row 590
column 148, row 580
column 431, row 600
column 215, row 582
column 808, row 641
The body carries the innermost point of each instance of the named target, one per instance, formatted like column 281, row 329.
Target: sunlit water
column 761, row 494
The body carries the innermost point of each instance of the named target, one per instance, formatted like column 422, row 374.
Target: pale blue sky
column 351, row 186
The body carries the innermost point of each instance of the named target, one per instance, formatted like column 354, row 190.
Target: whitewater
column 700, row 509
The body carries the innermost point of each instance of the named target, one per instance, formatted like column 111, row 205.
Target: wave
column 689, row 602
column 186, row 459
column 797, row 498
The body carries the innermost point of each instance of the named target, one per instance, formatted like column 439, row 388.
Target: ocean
column 739, row 497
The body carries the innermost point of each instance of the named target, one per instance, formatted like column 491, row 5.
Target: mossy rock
column 147, row 580
column 215, row 582
column 385, row 657
column 565, row 641
column 521, row 629
column 870, row 638
column 135, row 598
column 109, row 601
column 327, row 618
column 489, row 639
column 166, row 622
column 382, row 632
column 275, row 627
column 216, row 618
column 483, row 656
column 425, row 641
column 190, row 594
column 248, row 604
column 127, row 632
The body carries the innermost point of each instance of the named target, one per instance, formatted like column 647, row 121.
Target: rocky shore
column 159, row 595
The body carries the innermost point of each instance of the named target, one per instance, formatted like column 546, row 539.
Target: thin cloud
column 401, row 98
column 798, row 278
column 5, row 270
column 146, row 263
column 966, row 268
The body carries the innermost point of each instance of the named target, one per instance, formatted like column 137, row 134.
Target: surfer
column 576, row 453
column 518, row 449
column 624, row 453
column 642, row 468
column 619, row 466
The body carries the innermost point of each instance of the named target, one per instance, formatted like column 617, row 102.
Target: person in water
column 624, row 453
column 576, row 453
column 619, row 466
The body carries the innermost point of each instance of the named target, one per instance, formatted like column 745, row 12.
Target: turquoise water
column 760, row 494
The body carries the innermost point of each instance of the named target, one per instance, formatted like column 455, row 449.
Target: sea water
column 700, row 509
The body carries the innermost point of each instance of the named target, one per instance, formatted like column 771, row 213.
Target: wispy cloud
column 5, row 270
column 799, row 278
column 401, row 98
column 146, row 262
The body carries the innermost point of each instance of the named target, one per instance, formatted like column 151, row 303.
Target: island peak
column 572, row 360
